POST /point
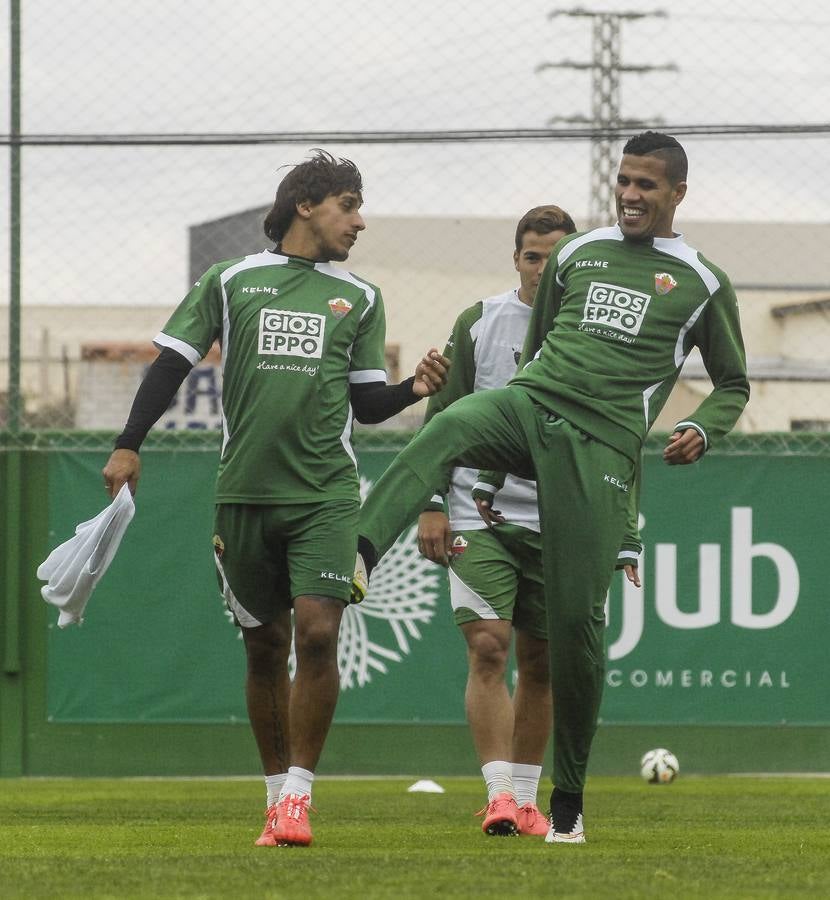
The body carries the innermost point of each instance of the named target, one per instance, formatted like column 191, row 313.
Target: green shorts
column 266, row 555
column 497, row 574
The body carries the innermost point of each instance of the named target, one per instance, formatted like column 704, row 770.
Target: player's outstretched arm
column 430, row 373
column 374, row 401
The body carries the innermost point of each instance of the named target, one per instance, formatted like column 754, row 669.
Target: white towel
column 76, row 566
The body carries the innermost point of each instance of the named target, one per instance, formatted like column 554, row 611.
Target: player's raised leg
column 483, row 430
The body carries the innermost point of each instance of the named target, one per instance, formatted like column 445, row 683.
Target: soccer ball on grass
column 659, row 766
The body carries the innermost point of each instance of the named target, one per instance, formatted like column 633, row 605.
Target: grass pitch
column 699, row 837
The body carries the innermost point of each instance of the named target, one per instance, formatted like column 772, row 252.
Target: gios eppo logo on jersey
column 615, row 307
column 286, row 333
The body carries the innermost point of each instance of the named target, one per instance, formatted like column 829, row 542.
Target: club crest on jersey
column 339, row 306
column 218, row 546
column 663, row 283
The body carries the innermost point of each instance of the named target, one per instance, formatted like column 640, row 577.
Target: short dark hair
column 543, row 220
column 665, row 147
column 315, row 179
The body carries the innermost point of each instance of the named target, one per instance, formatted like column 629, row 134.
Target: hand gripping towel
column 74, row 568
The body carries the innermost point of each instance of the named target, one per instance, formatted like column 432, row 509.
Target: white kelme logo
column 286, row 333
column 615, row 307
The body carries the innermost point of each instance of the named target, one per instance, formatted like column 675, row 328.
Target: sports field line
column 386, row 777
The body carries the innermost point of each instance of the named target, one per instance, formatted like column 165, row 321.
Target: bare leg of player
column 267, row 690
column 532, row 701
column 490, row 714
column 487, row 699
column 317, row 682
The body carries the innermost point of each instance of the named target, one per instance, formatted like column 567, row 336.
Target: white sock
column 526, row 782
column 498, row 775
column 273, row 786
column 298, row 782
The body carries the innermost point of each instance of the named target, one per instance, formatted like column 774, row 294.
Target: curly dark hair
column 315, row 179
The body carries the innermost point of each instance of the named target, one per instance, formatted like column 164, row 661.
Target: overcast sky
column 153, row 66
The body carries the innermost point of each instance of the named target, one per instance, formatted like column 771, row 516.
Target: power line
column 754, row 20
column 605, row 67
column 447, row 136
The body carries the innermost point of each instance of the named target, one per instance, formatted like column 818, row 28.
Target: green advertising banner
column 733, row 620
column 157, row 643
column 730, row 625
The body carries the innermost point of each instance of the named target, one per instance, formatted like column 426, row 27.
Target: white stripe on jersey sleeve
column 646, row 399
column 346, row 437
column 611, row 233
column 687, row 424
column 679, row 355
column 254, row 261
column 191, row 354
column 628, row 554
column 366, row 376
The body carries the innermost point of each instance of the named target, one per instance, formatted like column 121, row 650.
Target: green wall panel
column 730, row 626
column 723, row 663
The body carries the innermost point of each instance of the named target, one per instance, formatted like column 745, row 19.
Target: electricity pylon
column 605, row 68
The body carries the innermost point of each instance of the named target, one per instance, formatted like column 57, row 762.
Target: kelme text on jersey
column 616, row 307
column 286, row 333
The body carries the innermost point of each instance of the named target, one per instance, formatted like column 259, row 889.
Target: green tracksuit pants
column 583, row 496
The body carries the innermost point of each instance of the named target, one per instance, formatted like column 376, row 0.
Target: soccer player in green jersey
column 616, row 313
column 302, row 355
column 494, row 558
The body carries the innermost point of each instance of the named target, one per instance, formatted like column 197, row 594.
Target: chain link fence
column 146, row 141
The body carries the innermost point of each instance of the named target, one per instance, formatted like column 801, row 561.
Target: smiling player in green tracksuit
column 494, row 559
column 616, row 314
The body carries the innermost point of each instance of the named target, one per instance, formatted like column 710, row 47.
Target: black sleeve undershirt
column 154, row 395
column 372, row 403
column 375, row 402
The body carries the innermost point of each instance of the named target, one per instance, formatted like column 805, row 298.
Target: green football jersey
column 483, row 350
column 614, row 320
column 293, row 334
